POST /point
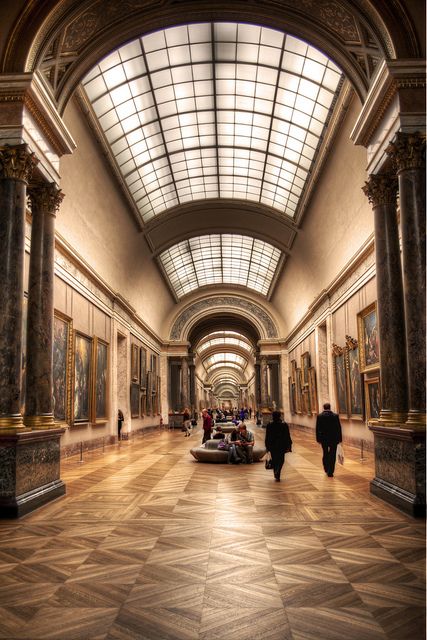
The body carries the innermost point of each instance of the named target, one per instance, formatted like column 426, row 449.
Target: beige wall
column 338, row 222
column 95, row 220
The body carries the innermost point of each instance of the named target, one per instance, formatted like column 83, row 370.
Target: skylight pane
column 166, row 79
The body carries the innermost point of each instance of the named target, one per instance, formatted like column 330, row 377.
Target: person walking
column 186, row 422
column 328, row 434
column 278, row 442
column 207, row 426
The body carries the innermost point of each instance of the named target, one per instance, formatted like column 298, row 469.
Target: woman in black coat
column 278, row 442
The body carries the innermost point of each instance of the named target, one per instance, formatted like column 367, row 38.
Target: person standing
column 120, row 419
column 186, row 422
column 207, row 426
column 278, row 442
column 328, row 434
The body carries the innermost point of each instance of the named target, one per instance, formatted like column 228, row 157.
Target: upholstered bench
column 209, row 452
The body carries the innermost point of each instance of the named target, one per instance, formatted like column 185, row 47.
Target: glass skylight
column 225, row 357
column 224, row 365
column 220, row 110
column 224, row 340
column 220, row 259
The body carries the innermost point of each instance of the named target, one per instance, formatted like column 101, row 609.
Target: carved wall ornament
column 17, row 163
column 45, row 197
column 408, row 151
column 351, row 343
column 229, row 302
column 381, row 189
column 337, row 350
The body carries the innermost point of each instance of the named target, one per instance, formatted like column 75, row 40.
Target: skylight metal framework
column 221, row 110
column 222, row 341
column 220, row 259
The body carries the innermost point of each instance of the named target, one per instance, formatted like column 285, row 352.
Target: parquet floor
column 148, row 544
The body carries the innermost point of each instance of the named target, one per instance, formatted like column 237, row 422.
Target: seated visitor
column 233, row 457
column 245, row 443
column 219, row 434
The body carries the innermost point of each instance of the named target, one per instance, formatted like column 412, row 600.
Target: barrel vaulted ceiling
column 215, row 112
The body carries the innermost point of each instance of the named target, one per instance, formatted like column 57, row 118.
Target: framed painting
column 100, row 402
column 143, row 367
column 306, row 407
column 143, row 403
column 82, row 378
column 62, row 345
column 312, row 388
column 291, row 389
column 340, row 380
column 298, row 391
column 372, row 398
column 305, row 364
column 134, row 362
column 293, row 370
column 158, row 404
column 367, row 327
column 355, row 393
column 134, row 400
column 149, row 393
column 153, row 368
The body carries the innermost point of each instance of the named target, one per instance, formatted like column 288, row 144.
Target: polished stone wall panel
column 8, row 471
column 37, row 464
column 395, row 461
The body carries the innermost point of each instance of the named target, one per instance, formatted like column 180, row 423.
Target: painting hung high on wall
column 312, row 386
column 101, row 380
column 372, row 398
column 143, row 367
column 305, row 364
column 134, row 362
column 340, row 380
column 291, row 389
column 293, row 370
column 82, row 377
column 368, row 339
column 298, row 391
column 61, row 350
column 354, row 382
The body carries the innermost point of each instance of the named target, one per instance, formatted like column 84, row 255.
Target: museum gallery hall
column 211, row 208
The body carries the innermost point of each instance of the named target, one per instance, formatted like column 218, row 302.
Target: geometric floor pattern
column 149, row 544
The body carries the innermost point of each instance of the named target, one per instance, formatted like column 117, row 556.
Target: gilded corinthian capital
column 45, row 197
column 17, row 163
column 381, row 189
column 408, row 151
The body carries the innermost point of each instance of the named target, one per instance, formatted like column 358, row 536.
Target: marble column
column 381, row 191
column 408, row 155
column 45, row 201
column 16, row 167
column 264, row 382
column 184, row 382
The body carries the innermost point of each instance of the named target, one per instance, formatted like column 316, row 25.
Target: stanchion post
column 362, row 459
column 81, row 452
column 103, row 445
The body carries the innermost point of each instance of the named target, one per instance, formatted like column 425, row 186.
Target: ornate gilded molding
column 408, row 151
column 381, row 189
column 337, row 350
column 17, row 163
column 45, row 198
column 350, row 343
column 229, row 302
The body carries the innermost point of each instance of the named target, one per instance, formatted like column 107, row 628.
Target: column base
column 30, row 470
column 266, row 417
column 12, row 424
column 400, row 467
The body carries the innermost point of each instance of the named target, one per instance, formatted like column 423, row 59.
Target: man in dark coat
column 328, row 434
column 278, row 442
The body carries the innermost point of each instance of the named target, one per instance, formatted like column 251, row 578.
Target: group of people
column 278, row 441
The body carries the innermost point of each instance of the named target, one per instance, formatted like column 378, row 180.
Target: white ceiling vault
column 214, row 113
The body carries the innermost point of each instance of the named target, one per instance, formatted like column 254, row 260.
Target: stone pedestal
column 400, row 467
column 30, row 470
column 176, row 420
column 266, row 417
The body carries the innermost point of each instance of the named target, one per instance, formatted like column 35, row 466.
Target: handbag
column 223, row 446
column 268, row 462
column 340, row 453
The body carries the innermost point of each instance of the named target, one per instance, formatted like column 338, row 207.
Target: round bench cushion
column 210, row 452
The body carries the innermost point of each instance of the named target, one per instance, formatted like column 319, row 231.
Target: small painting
column 291, row 389
column 305, row 364
column 298, row 391
column 82, row 377
column 143, row 367
column 293, row 370
column 101, row 379
column 134, row 400
column 368, row 339
column 61, row 352
column 372, row 398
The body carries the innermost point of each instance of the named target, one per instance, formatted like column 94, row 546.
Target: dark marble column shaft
column 264, row 382
column 184, row 382
column 381, row 190
column 16, row 166
column 45, row 200
column 257, row 385
column 408, row 154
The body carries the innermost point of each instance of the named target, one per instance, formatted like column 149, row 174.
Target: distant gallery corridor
column 148, row 544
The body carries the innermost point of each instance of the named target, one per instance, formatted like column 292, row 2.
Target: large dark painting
column 82, row 379
column 355, row 383
column 134, row 400
column 101, row 376
column 143, row 367
column 340, row 383
column 61, row 354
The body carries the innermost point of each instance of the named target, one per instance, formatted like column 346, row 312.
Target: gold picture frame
column 62, row 370
column 134, row 362
column 312, row 386
column 372, row 398
column 82, row 378
column 340, row 380
column 305, row 365
column 367, row 330
column 100, row 381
